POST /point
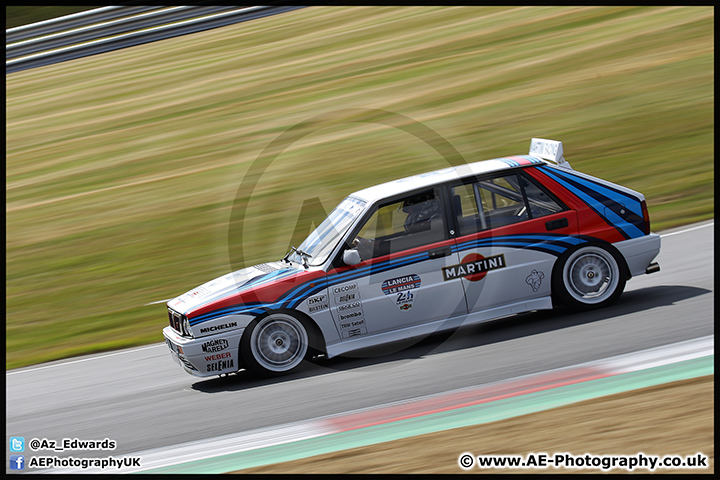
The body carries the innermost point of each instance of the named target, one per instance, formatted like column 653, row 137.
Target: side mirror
column 351, row 257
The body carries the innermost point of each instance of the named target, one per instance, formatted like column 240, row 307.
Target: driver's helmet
column 420, row 210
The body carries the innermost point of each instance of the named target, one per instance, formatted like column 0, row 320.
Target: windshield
column 320, row 243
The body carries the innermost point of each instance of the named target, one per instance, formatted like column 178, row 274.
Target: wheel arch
column 316, row 338
column 561, row 260
column 622, row 263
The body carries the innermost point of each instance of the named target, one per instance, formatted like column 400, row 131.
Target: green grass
column 123, row 168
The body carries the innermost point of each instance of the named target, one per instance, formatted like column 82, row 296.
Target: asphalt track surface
column 141, row 399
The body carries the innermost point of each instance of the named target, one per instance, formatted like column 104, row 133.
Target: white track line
column 317, row 427
column 688, row 229
column 129, row 350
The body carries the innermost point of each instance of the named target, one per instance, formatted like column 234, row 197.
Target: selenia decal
column 474, row 267
column 400, row 290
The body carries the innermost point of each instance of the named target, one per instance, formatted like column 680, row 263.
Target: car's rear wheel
column 589, row 277
column 275, row 344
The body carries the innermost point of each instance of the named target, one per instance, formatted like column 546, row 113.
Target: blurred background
column 123, row 169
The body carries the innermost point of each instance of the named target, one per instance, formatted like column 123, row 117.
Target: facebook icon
column 17, row 462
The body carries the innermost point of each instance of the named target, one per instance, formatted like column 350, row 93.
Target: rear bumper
column 206, row 356
column 640, row 252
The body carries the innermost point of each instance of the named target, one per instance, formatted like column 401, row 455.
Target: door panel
column 404, row 245
column 511, row 232
column 505, row 265
column 390, row 293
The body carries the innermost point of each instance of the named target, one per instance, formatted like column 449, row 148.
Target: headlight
column 186, row 326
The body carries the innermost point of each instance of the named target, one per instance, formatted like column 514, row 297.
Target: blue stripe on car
column 546, row 243
column 602, row 200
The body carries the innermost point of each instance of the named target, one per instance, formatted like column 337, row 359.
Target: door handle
column 555, row 224
column 440, row 252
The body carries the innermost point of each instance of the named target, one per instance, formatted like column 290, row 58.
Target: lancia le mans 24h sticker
column 400, row 289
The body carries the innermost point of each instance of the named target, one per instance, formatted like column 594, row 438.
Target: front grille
column 176, row 321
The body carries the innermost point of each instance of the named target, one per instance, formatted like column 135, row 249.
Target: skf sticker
column 474, row 267
column 317, row 303
column 535, row 279
column 400, row 289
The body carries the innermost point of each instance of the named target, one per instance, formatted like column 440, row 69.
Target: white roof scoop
column 549, row 150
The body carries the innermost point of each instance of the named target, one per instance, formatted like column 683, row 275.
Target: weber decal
column 219, row 356
column 474, row 267
column 399, row 289
column 215, row 345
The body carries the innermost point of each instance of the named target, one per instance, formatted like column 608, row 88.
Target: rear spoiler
column 549, row 150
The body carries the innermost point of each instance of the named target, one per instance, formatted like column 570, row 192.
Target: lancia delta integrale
column 431, row 252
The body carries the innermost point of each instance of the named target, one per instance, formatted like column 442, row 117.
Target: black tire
column 275, row 344
column 589, row 277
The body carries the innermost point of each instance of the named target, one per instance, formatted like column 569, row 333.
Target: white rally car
column 422, row 254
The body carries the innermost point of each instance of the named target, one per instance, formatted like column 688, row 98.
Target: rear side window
column 500, row 200
column 539, row 200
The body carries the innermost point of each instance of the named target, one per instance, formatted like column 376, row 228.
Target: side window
column 465, row 206
column 540, row 202
column 410, row 222
column 502, row 201
column 498, row 201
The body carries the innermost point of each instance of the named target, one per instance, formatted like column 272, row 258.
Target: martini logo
column 474, row 267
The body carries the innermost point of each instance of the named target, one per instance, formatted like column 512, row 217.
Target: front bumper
column 206, row 356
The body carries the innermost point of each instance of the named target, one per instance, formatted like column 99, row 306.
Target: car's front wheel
column 589, row 277
column 274, row 344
